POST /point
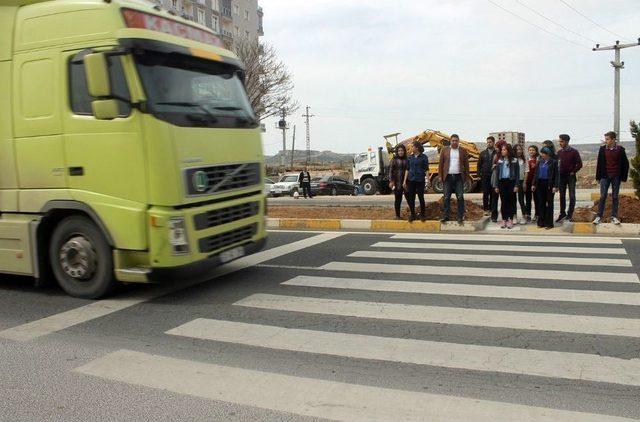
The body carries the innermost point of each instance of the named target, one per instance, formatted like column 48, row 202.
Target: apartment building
column 234, row 20
column 512, row 138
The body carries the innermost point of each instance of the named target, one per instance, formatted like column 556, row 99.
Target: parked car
column 332, row 185
column 267, row 185
column 287, row 185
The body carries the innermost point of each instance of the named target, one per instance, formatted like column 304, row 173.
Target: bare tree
column 268, row 81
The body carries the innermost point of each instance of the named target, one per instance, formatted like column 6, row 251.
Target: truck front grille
column 225, row 215
column 216, row 179
column 219, row 241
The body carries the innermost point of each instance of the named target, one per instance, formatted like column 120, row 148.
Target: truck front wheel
column 81, row 259
column 369, row 186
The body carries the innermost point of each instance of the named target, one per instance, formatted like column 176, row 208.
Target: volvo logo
column 200, row 181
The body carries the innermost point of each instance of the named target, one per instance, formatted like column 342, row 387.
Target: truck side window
column 79, row 93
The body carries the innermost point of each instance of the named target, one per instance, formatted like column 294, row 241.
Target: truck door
column 104, row 157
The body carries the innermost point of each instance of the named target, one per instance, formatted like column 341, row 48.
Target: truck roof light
column 142, row 20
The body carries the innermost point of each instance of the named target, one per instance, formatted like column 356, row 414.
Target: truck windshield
column 188, row 91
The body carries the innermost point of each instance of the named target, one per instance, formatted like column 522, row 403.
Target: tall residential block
column 233, row 20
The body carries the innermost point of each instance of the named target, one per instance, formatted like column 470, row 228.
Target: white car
column 267, row 186
column 287, row 185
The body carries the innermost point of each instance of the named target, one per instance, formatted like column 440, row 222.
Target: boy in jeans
column 612, row 169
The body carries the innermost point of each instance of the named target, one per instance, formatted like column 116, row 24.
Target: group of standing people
column 532, row 181
column 408, row 176
column 511, row 177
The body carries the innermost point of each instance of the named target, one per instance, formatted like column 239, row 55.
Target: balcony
column 227, row 34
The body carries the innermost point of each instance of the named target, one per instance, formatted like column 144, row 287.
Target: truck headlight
column 178, row 236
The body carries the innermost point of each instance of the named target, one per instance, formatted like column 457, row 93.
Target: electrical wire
column 554, row 22
column 591, row 20
column 534, row 25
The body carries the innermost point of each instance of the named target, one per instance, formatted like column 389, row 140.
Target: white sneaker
column 615, row 221
column 597, row 221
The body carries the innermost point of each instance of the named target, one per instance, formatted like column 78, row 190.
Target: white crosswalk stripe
column 469, row 290
column 607, row 277
column 505, row 247
column 511, row 238
column 549, row 260
column 313, row 397
column 574, row 366
column 445, row 315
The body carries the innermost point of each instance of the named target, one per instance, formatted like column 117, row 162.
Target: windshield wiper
column 247, row 121
column 188, row 104
column 228, row 108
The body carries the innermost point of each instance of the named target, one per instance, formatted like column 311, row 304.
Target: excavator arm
column 436, row 139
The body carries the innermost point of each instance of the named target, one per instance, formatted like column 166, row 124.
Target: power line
column 554, row 22
column 534, row 25
column 591, row 20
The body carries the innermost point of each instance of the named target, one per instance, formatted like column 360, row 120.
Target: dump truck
column 129, row 152
column 371, row 168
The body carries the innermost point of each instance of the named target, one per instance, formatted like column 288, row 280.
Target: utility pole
column 283, row 126
column 307, row 116
column 617, row 65
column 293, row 146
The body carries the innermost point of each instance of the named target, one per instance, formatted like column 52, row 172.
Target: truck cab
column 129, row 151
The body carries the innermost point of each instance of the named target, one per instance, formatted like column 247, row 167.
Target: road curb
column 430, row 226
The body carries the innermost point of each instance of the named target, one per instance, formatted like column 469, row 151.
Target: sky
column 370, row 68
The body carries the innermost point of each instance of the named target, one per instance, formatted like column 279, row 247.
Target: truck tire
column 81, row 259
column 438, row 186
column 469, row 185
column 369, row 186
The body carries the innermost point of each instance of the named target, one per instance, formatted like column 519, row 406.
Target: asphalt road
column 346, row 327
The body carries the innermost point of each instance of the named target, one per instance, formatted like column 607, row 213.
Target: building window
column 237, row 31
column 246, row 15
column 214, row 24
column 247, row 34
column 174, row 4
column 236, row 9
column 215, row 5
column 201, row 17
column 201, row 2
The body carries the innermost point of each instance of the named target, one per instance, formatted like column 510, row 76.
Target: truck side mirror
column 97, row 72
column 105, row 109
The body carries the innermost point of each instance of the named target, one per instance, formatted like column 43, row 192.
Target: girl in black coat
column 397, row 171
column 545, row 186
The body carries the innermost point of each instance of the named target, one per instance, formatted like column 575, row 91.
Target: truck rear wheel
column 81, row 259
column 369, row 186
column 469, row 185
column 438, row 186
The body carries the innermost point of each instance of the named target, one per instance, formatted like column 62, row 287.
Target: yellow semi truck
column 129, row 151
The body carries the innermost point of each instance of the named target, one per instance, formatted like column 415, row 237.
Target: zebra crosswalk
column 444, row 281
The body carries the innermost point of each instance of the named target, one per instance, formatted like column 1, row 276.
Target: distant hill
column 317, row 157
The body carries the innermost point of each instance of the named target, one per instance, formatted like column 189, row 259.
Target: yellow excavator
column 439, row 140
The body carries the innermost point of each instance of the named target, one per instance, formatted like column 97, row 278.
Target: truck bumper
column 200, row 269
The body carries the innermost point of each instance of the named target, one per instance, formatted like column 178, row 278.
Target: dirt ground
column 628, row 211
column 433, row 211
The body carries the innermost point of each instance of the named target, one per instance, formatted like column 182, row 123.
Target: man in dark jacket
column 453, row 168
column 304, row 179
column 569, row 163
column 485, row 170
column 612, row 169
